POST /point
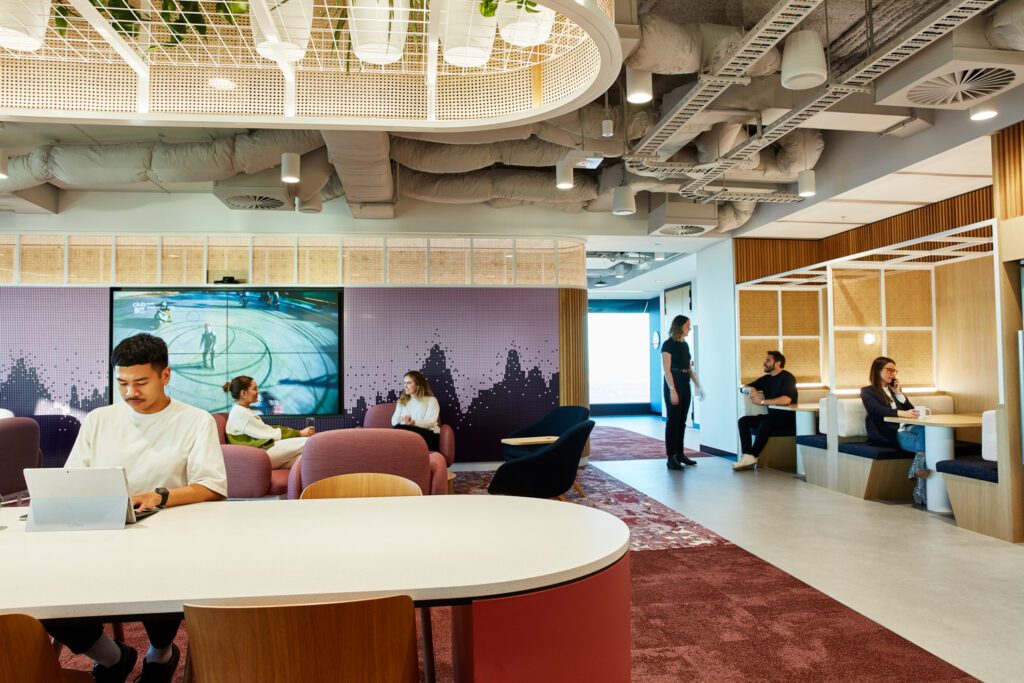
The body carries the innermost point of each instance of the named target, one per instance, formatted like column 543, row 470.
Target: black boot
column 673, row 463
column 686, row 460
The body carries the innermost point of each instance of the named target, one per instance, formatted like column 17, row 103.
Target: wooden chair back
column 27, row 655
column 362, row 485
column 367, row 640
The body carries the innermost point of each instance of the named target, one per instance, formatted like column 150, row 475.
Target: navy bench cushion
column 972, row 468
column 813, row 440
column 864, row 449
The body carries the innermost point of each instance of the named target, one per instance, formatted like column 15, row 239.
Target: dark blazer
column 880, row 432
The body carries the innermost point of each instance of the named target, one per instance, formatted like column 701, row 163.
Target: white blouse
column 244, row 421
column 424, row 413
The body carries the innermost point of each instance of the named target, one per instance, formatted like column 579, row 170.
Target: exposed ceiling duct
column 606, row 268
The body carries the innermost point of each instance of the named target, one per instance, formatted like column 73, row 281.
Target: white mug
column 923, row 411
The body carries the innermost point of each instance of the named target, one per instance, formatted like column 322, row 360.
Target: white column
column 938, row 445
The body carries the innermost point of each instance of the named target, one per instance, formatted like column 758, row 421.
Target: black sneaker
column 686, row 461
column 154, row 672
column 120, row 671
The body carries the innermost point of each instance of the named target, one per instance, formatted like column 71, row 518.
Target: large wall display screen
column 287, row 340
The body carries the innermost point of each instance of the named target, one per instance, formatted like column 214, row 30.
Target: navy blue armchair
column 547, row 473
column 555, row 423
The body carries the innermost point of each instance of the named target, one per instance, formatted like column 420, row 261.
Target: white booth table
column 806, row 423
column 436, row 549
column 939, row 438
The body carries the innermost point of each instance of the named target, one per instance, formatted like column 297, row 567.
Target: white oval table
column 461, row 550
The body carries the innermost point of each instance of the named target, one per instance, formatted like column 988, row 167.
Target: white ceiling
column 958, row 170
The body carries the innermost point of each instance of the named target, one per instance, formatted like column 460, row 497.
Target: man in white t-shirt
column 171, row 455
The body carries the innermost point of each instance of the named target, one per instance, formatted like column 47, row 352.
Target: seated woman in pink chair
column 245, row 428
column 418, row 411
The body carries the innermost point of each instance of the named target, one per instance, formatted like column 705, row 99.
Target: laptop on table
column 78, row 499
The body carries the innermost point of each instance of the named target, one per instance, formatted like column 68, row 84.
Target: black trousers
column 675, row 424
column 79, row 636
column 775, row 423
column 432, row 439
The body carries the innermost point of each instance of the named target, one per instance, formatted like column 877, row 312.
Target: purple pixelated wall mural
column 491, row 356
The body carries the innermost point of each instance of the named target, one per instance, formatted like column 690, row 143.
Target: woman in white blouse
column 418, row 411
column 245, row 428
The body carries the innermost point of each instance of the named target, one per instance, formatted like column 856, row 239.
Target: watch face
column 655, row 340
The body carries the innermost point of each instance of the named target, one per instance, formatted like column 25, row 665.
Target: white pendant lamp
column 805, row 184
column 467, row 37
column 623, row 201
column 984, row 112
column 290, row 168
column 563, row 175
column 803, row 61
column 639, row 86
column 378, row 29
column 3, row 165
column 293, row 21
column 524, row 26
column 23, row 24
column 607, row 128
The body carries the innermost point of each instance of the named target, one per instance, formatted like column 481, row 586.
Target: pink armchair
column 248, row 468
column 379, row 417
column 388, row 451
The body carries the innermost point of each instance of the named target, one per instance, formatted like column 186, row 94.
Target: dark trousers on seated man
column 79, row 636
column 775, row 423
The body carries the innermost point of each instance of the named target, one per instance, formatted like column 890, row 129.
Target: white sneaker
column 747, row 462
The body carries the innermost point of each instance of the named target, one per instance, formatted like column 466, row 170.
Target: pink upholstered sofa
column 248, row 468
column 388, row 451
column 379, row 417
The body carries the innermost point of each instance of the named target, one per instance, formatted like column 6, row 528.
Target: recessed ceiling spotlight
column 984, row 112
column 222, row 84
column 600, row 283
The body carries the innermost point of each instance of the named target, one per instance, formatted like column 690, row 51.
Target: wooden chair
column 27, row 655
column 367, row 640
column 362, row 485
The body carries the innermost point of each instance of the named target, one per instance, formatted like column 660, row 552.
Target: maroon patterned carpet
column 613, row 443
column 706, row 610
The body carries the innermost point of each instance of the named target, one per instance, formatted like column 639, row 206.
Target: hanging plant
column 489, row 7
column 180, row 16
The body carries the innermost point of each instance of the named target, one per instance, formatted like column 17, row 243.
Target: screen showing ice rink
column 287, row 340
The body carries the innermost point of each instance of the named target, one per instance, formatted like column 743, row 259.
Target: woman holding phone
column 883, row 398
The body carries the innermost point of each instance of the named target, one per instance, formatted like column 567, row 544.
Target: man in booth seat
column 777, row 387
column 171, row 455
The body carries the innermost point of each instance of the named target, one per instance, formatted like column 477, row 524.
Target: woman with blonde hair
column 245, row 428
column 417, row 410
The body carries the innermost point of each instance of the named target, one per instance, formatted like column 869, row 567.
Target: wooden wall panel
column 800, row 314
column 573, row 388
column 857, row 298
column 1008, row 171
column 908, row 298
column 759, row 313
column 854, row 356
column 757, row 258
column 965, row 321
column 912, row 351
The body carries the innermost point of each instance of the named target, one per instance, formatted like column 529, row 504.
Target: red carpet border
column 614, row 443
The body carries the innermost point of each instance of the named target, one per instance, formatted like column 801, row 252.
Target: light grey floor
column 957, row 594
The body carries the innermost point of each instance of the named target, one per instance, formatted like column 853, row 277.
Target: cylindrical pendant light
column 607, row 128
column 290, row 168
column 563, row 175
column 803, row 61
column 639, row 86
column 984, row 112
column 805, row 184
column 623, row 201
column 312, row 205
column 3, row 164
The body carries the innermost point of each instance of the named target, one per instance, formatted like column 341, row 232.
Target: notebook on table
column 78, row 499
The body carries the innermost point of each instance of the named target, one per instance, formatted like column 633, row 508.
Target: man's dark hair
column 778, row 358
column 140, row 349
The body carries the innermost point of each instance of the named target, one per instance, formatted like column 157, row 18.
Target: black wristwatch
column 163, row 495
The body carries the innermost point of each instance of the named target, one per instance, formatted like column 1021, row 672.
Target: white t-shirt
column 424, row 413
column 176, row 447
column 245, row 421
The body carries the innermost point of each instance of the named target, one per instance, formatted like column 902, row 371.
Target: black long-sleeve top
column 880, row 432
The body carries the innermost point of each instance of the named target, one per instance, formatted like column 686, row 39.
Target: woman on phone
column 678, row 366
column 245, row 428
column 418, row 411
column 883, row 398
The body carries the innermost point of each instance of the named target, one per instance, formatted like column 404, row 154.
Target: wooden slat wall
column 757, row 258
column 1007, row 173
column 573, row 389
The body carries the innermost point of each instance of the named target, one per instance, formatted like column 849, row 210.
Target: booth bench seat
column 971, row 468
column 973, row 485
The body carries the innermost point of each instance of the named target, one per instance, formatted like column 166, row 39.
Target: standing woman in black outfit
column 678, row 366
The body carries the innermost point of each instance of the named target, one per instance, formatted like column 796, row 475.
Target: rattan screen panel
column 854, row 353
column 319, row 260
column 227, row 256
column 759, row 313
column 136, row 259
column 535, row 262
column 363, row 260
column 181, row 261
column 570, row 73
column 273, row 260
column 494, row 95
column 258, row 91
column 803, row 359
column 912, row 351
column 493, row 262
column 752, row 352
column 89, row 259
column 572, row 265
column 384, row 96
column 41, row 260
column 908, row 298
column 450, row 261
column 407, row 261
column 8, row 247
column 857, row 297
column 67, row 86
column 800, row 314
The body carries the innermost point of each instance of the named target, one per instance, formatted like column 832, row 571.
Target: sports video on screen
column 287, row 340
